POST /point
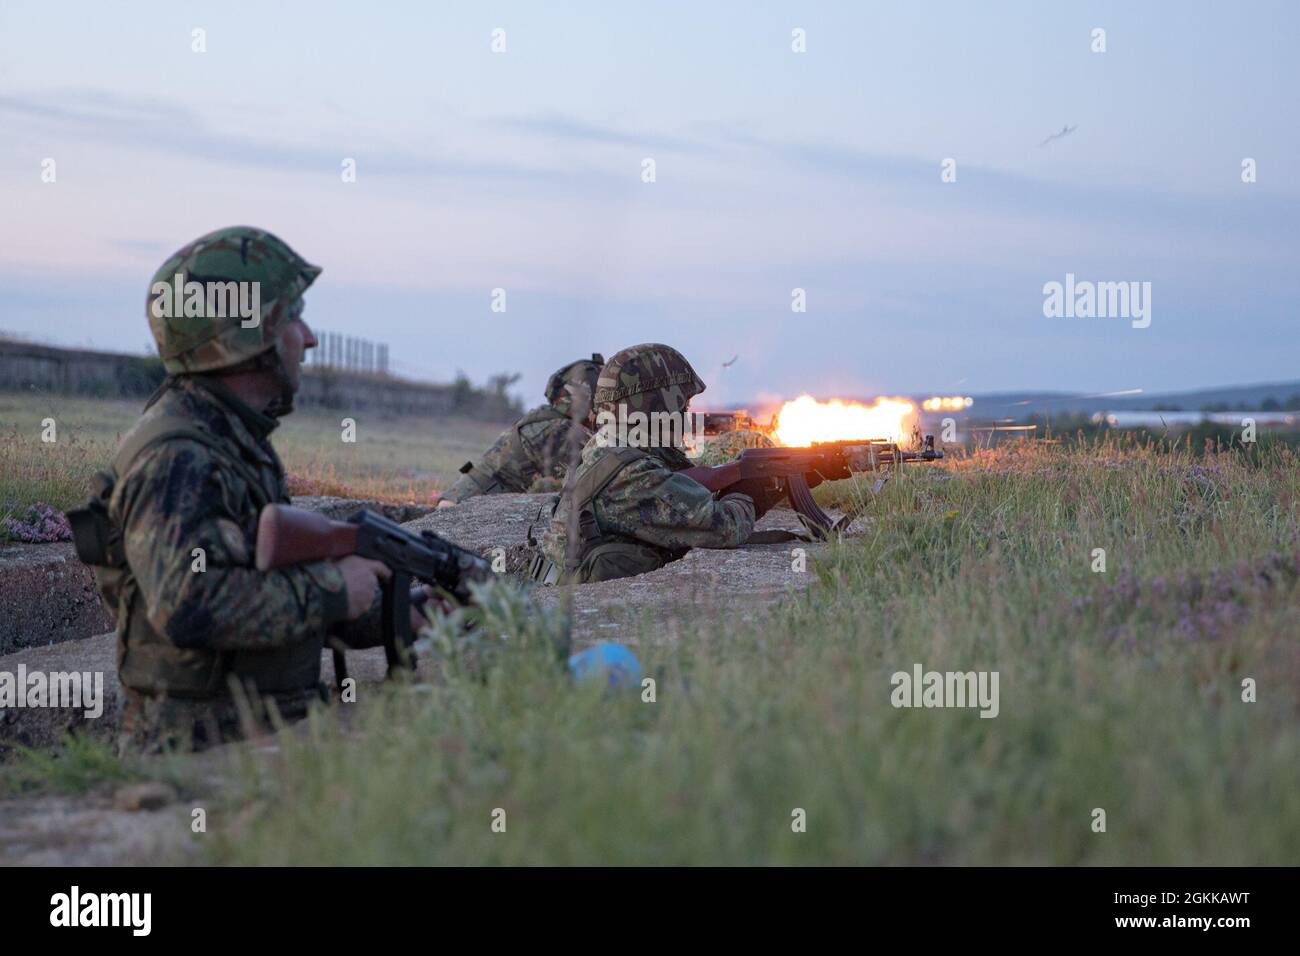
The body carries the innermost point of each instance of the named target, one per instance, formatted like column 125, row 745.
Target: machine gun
column 287, row 535
column 796, row 471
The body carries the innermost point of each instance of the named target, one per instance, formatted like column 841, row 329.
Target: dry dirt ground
column 99, row 829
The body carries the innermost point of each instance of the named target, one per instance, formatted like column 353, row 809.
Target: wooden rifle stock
column 288, row 535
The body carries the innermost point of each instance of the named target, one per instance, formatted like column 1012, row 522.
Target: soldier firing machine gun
column 796, row 471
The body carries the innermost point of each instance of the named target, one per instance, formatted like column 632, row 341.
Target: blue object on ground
column 612, row 663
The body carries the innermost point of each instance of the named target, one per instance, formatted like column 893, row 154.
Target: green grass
column 396, row 459
column 1118, row 690
column 79, row 765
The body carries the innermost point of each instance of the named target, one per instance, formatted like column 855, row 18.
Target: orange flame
column 806, row 420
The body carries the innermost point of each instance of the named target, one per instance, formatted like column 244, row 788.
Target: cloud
column 157, row 125
column 147, row 123
column 1070, row 205
column 568, row 128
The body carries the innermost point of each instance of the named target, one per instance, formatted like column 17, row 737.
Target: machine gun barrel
column 801, row 469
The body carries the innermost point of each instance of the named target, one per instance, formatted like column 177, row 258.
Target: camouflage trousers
column 152, row 724
column 604, row 560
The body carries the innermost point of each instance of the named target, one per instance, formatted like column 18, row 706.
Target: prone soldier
column 625, row 510
column 537, row 445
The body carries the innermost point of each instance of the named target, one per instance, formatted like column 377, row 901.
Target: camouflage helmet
column 216, row 338
column 647, row 378
column 579, row 374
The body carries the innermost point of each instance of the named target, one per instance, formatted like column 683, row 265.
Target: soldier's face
column 294, row 340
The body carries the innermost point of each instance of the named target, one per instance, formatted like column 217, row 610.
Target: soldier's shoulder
column 542, row 425
column 181, row 407
column 542, row 413
column 597, row 451
column 175, row 431
column 622, row 469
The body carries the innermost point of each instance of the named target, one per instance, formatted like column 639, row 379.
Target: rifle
column 799, row 470
column 287, row 535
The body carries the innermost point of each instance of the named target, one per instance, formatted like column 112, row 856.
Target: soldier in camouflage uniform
column 625, row 510
column 536, row 446
column 175, row 520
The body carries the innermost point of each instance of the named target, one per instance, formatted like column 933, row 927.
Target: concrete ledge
column 708, row 583
column 46, row 726
column 47, row 595
column 340, row 509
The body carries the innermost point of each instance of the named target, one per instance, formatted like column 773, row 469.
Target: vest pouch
column 150, row 664
column 278, row 670
column 93, row 535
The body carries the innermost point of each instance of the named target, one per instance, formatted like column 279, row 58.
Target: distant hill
column 1021, row 405
column 1024, row 404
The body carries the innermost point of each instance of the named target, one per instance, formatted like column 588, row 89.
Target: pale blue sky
column 775, row 170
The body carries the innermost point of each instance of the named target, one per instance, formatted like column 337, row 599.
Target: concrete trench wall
column 47, row 595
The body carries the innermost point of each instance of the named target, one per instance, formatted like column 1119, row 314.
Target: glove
column 764, row 492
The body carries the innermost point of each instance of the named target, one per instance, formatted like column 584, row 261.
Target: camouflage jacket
column 193, row 610
column 640, row 514
column 533, row 447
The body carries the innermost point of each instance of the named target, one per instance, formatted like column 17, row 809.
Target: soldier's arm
column 464, row 487
column 493, row 470
column 652, row 503
column 178, row 499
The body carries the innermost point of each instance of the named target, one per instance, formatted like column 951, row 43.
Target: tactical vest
column 489, row 482
column 599, row 556
column 147, row 661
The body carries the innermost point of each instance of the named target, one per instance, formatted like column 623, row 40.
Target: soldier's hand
column 764, row 492
column 421, row 598
column 446, row 503
column 361, row 577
